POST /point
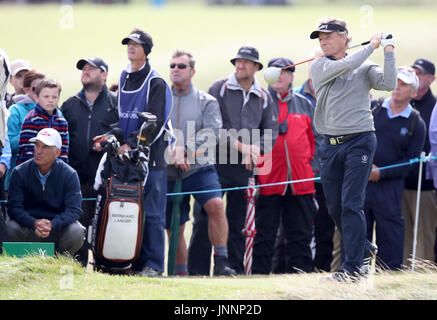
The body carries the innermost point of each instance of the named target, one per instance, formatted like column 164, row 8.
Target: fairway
column 55, row 37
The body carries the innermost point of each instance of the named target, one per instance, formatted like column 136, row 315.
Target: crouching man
column 44, row 198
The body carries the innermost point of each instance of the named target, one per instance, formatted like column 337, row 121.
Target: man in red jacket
column 290, row 160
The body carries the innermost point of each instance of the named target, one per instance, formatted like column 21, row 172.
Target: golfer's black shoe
column 369, row 255
column 222, row 268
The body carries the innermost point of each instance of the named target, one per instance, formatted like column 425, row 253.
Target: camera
column 283, row 127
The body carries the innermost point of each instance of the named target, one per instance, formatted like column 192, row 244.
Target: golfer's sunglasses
column 179, row 65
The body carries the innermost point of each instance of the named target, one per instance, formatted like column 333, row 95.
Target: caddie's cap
column 248, row 53
column 425, row 66
column 140, row 37
column 49, row 137
column 327, row 28
column 95, row 62
column 281, row 63
column 19, row 65
column 408, row 75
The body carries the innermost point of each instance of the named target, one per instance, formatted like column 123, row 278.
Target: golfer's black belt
column 334, row 140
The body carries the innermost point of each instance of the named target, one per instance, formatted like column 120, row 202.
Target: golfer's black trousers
column 345, row 171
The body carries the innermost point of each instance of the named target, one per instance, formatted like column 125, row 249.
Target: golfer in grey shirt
column 342, row 83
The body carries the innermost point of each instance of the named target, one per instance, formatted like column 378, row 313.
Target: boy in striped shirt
column 45, row 115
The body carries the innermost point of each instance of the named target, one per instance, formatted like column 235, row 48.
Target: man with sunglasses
column 196, row 119
column 342, row 83
column 142, row 89
column 251, row 130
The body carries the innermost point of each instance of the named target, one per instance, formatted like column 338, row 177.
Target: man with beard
column 90, row 113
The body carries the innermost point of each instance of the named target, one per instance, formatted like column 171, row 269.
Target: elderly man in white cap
column 45, row 199
column 400, row 132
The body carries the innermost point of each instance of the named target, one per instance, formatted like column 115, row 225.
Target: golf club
column 271, row 74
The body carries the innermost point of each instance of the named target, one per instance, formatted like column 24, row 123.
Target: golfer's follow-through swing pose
column 342, row 83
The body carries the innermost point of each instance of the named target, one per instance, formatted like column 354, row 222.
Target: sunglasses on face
column 179, row 65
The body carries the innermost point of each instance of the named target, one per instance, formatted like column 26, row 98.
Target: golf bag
column 117, row 227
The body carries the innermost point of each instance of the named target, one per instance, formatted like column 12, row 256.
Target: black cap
column 327, row 28
column 248, row 53
column 140, row 37
column 281, row 63
column 425, row 66
column 96, row 62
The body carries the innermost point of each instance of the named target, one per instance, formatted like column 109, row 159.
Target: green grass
column 62, row 278
column 213, row 34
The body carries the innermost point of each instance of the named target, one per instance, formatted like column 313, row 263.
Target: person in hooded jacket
column 290, row 159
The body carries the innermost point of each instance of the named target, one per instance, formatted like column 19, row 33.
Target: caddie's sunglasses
column 179, row 65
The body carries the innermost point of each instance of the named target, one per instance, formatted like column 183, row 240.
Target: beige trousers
column 426, row 231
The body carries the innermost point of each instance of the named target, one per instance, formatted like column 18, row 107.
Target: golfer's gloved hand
column 387, row 42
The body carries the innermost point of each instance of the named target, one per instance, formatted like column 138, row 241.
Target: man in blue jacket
column 44, row 198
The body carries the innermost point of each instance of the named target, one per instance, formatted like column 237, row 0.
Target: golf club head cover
column 385, row 41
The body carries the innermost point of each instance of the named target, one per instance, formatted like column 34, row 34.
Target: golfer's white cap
column 49, row 137
column 20, row 64
column 408, row 75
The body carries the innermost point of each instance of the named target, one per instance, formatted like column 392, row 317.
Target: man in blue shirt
column 400, row 133
column 44, row 198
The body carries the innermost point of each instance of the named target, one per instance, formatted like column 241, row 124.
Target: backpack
column 118, row 223
column 376, row 105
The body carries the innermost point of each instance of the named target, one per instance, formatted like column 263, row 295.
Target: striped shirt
column 36, row 120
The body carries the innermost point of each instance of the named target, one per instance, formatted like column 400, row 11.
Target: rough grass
column 62, row 278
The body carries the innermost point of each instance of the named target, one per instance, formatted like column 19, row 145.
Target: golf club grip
column 367, row 42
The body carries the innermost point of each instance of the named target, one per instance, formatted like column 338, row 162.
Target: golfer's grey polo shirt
column 342, row 89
